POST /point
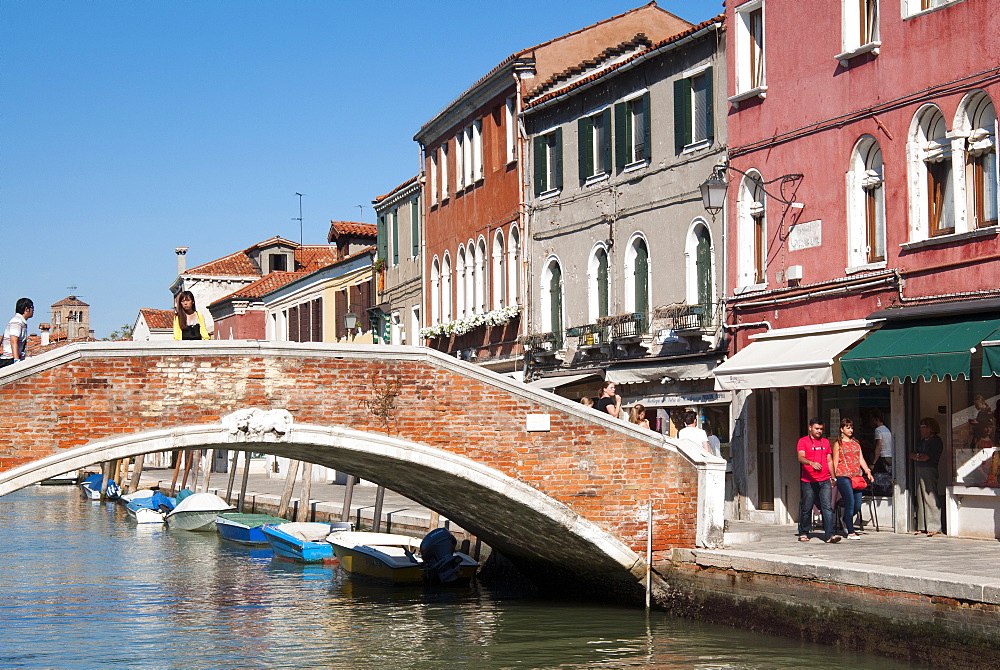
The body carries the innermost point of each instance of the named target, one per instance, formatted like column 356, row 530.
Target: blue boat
column 245, row 528
column 303, row 542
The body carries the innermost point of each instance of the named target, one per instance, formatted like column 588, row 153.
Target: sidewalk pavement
column 941, row 566
column 263, row 495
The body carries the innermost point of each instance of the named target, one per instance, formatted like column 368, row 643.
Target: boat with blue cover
column 91, row 487
column 245, row 528
column 150, row 508
column 303, row 542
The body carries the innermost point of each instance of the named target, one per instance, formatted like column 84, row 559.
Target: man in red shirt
column 816, row 458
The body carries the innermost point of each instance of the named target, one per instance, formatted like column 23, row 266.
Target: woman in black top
column 188, row 322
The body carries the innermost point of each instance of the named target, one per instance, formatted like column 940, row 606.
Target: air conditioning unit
column 794, row 273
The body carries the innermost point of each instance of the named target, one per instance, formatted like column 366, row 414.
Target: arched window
column 461, row 269
column 514, row 266
column 499, row 271
column 637, row 275
column 435, row 291
column 932, row 203
column 446, row 289
column 700, row 266
column 479, row 304
column 552, row 297
column 979, row 119
column 470, row 278
column 866, row 204
column 752, row 226
column 599, row 281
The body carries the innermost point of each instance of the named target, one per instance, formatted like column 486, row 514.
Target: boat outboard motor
column 437, row 550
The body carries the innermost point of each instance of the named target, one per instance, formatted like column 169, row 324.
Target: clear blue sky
column 130, row 128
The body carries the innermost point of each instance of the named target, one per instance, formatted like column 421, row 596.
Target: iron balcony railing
column 688, row 317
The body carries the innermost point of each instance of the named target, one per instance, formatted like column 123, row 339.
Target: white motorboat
column 197, row 512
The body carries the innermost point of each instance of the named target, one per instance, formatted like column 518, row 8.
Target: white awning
column 637, row 374
column 563, row 380
column 777, row 360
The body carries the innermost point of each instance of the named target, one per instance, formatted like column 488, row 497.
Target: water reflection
column 82, row 581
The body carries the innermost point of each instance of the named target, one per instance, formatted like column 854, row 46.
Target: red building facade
column 862, row 218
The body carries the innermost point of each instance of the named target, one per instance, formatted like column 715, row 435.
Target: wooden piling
column 177, row 470
column 345, row 515
column 136, row 473
column 207, row 470
column 286, row 491
column 377, row 520
column 106, row 475
column 305, row 493
column 232, row 477
column 246, row 475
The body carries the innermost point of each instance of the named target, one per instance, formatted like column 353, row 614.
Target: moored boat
column 149, row 508
column 245, row 528
column 91, row 487
column 303, row 542
column 197, row 512
column 400, row 559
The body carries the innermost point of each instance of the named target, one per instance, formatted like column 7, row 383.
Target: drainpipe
column 522, row 219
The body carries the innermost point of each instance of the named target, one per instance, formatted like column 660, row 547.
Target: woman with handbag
column 848, row 465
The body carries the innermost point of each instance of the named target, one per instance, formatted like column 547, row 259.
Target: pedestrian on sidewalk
column 816, row 459
column 883, row 444
column 848, row 466
column 15, row 335
column 926, row 455
column 692, row 433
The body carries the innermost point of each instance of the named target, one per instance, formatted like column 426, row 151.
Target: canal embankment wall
column 932, row 602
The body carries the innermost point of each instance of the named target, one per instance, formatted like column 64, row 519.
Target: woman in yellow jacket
column 188, row 322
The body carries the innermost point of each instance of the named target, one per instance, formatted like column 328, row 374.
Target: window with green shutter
column 633, row 131
column 395, row 237
column 383, row 245
column 693, row 122
column 594, row 144
column 548, row 162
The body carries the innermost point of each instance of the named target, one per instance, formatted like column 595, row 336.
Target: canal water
column 82, row 585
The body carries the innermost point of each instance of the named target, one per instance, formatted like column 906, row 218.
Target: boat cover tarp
column 155, row 501
column 202, row 502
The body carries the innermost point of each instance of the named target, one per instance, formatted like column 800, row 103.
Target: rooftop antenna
column 299, row 219
column 361, row 214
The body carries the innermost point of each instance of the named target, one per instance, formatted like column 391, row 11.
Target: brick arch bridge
column 569, row 500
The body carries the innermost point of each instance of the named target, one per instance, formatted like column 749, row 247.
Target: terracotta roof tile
column 314, row 257
column 158, row 318
column 236, row 264
column 338, row 228
column 265, row 284
column 640, row 41
column 612, row 68
column 398, row 188
column 71, row 301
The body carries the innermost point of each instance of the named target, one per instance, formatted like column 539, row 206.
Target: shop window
column 974, row 438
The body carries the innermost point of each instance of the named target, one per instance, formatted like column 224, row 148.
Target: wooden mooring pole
column 286, row 492
column 306, row 492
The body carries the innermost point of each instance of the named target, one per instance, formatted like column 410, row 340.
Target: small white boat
column 400, row 559
column 145, row 506
column 197, row 512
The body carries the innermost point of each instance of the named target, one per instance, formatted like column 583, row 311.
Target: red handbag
column 859, row 482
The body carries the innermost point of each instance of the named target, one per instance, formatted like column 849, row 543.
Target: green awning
column 924, row 349
column 991, row 355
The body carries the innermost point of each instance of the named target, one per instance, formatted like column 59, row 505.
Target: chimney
column 44, row 327
column 181, row 260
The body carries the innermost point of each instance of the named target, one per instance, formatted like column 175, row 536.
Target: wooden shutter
column 682, row 114
column 558, row 160
column 415, row 228
column 604, row 135
column 340, row 309
column 622, row 127
column 317, row 320
column 381, row 241
column 647, row 129
column 709, row 106
column 585, row 144
column 540, row 164
column 395, row 236
column 293, row 324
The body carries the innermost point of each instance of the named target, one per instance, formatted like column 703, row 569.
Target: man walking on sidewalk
column 816, row 458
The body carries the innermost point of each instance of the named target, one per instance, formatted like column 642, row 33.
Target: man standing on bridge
column 15, row 335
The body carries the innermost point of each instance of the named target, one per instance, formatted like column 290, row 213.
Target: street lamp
column 350, row 320
column 713, row 190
